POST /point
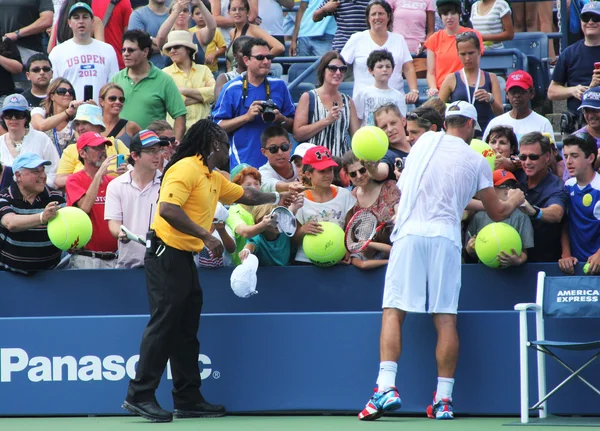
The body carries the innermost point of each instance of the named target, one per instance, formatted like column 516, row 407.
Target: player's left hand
column 507, row 260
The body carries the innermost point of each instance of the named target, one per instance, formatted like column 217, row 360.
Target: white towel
column 416, row 162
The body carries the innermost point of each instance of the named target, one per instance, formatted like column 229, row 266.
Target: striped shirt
column 350, row 19
column 335, row 136
column 490, row 23
column 31, row 250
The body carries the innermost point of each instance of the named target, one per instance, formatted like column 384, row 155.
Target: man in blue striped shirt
column 26, row 207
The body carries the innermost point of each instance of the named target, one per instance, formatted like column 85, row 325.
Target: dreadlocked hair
column 196, row 142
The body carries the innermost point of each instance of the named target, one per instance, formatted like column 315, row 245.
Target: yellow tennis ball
column 71, row 228
column 495, row 238
column 485, row 150
column 586, row 268
column 326, row 248
column 370, row 143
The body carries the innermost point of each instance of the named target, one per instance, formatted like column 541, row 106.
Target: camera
column 570, row 122
column 399, row 164
column 269, row 108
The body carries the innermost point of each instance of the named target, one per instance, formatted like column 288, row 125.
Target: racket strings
column 362, row 230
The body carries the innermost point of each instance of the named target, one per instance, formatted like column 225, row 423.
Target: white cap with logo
column 464, row 109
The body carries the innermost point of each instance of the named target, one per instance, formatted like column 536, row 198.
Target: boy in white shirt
column 381, row 65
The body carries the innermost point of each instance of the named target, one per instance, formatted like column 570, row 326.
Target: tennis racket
column 133, row 237
column 361, row 230
column 286, row 221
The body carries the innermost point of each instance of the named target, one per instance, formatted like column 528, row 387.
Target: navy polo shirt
column 546, row 236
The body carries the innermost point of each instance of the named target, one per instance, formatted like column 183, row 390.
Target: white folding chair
column 556, row 297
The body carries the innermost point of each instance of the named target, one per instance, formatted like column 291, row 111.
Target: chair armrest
column 528, row 306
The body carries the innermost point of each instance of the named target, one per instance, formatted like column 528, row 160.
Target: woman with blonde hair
column 112, row 99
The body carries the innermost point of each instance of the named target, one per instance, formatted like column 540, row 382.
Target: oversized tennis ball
column 71, row 228
column 370, row 143
column 326, row 248
column 586, row 268
column 495, row 238
column 485, row 150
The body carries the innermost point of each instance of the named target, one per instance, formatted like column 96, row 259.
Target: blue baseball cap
column 15, row 102
column 591, row 99
column 29, row 161
column 81, row 5
column 591, row 7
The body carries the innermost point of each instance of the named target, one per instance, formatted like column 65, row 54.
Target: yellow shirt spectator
column 190, row 185
column 69, row 161
column 218, row 43
column 200, row 78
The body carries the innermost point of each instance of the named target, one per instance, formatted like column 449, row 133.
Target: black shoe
column 200, row 410
column 148, row 410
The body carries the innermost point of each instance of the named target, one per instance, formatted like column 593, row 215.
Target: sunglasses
column 361, row 171
column 261, row 57
column 590, row 17
column 174, row 47
column 65, row 91
column 166, row 139
column 332, row 68
column 115, row 98
column 129, row 50
column 532, row 157
column 14, row 115
column 39, row 69
column 273, row 149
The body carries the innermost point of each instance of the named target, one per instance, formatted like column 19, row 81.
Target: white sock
column 444, row 388
column 387, row 375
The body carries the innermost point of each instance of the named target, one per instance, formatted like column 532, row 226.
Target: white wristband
column 277, row 198
column 42, row 217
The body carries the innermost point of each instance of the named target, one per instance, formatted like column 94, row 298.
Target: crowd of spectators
column 96, row 96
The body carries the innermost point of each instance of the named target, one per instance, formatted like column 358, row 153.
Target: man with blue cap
column 590, row 105
column 26, row 207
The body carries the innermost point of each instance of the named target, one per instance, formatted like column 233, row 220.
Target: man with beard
column 191, row 187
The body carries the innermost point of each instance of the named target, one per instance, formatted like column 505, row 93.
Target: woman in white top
column 492, row 18
column 359, row 46
column 54, row 115
column 324, row 202
column 21, row 139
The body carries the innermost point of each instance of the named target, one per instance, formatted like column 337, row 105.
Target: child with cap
column 503, row 182
column 298, row 155
column 324, row 201
column 271, row 247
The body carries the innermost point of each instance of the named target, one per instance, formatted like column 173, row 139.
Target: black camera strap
column 245, row 88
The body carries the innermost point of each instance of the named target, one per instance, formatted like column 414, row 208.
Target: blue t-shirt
column 245, row 141
column 144, row 19
column 309, row 28
column 575, row 66
column 584, row 218
column 546, row 236
column 272, row 253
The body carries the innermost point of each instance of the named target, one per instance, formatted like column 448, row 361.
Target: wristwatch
column 491, row 98
column 18, row 33
column 538, row 210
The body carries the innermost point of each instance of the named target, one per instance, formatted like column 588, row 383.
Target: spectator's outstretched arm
column 368, row 264
column 222, row 21
column 23, row 222
column 167, row 26
column 205, row 35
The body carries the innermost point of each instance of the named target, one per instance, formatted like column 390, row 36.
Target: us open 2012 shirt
column 583, row 217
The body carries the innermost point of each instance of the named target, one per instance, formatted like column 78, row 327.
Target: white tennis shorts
column 423, row 275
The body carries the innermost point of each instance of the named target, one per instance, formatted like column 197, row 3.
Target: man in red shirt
column 116, row 25
column 86, row 190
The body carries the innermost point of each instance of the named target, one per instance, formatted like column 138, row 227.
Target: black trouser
column 175, row 304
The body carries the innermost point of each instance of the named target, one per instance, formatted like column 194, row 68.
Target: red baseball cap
column 501, row 176
column 319, row 158
column 91, row 139
column 519, row 78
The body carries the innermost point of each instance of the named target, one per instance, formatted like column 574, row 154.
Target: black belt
column 102, row 255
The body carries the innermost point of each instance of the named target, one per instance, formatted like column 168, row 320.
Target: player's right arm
column 499, row 210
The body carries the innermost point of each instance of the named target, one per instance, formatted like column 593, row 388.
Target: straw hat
column 180, row 37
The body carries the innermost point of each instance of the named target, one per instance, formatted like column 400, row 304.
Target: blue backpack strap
column 311, row 106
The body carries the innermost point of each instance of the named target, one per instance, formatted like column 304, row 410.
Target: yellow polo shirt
column 69, row 161
column 190, row 185
column 200, row 78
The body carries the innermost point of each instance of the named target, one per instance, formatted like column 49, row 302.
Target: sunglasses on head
column 273, row 149
column 590, row 17
column 532, row 157
column 261, row 57
column 39, row 69
column 64, row 91
column 14, row 115
column 361, row 171
column 171, row 140
column 333, row 68
column 115, row 98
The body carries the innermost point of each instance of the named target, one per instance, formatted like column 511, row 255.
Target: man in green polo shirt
column 149, row 92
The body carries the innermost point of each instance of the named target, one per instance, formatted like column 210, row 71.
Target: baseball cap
column 301, row 149
column 519, row 78
column 502, row 176
column 464, row 109
column 243, row 277
column 15, row 102
column 91, row 139
column 591, row 7
column 591, row 99
column 28, row 161
column 319, row 158
column 145, row 139
column 81, row 5
column 89, row 113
